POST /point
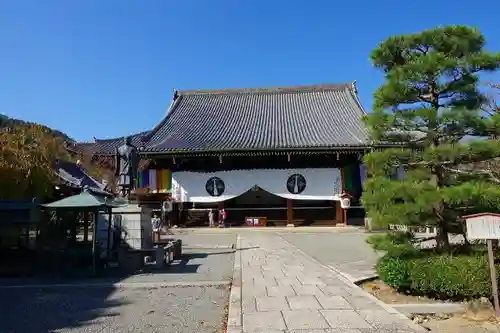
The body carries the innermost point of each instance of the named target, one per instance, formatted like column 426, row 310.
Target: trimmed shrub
column 454, row 277
column 393, row 270
column 443, row 276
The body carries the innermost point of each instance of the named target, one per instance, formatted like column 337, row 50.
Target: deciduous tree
column 27, row 154
column 428, row 109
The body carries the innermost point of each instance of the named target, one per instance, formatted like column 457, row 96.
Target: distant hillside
column 11, row 122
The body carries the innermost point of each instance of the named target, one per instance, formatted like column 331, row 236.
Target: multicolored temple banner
column 158, row 180
column 298, row 184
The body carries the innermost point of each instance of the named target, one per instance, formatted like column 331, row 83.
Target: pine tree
column 492, row 104
column 424, row 119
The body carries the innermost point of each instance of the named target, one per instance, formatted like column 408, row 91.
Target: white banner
column 298, row 184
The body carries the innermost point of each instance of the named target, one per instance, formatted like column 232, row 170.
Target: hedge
column 442, row 276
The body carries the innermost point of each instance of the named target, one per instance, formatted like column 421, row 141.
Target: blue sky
column 79, row 65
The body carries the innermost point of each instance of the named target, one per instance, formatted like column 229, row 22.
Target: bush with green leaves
column 438, row 275
column 393, row 270
column 395, row 242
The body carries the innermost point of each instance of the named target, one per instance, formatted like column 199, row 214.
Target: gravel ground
column 211, row 239
column 197, row 265
column 346, row 251
column 133, row 308
column 182, row 310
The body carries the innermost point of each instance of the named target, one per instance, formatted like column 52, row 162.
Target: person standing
column 156, row 225
column 222, row 217
column 211, row 218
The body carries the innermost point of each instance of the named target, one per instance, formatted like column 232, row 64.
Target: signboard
column 483, row 226
column 486, row 226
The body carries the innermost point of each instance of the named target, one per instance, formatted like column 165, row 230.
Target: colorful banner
column 158, row 180
column 166, row 180
column 152, row 180
column 143, row 179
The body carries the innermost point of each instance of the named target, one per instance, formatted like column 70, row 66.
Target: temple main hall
column 268, row 156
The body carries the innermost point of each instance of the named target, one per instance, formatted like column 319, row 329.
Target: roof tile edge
column 272, row 90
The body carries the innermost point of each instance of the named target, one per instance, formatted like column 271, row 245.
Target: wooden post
column 85, row 226
column 493, row 275
column 339, row 214
column 108, row 246
column 94, row 244
column 289, row 211
column 343, row 212
column 74, row 226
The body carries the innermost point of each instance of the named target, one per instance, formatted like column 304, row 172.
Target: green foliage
column 448, row 276
column 428, row 103
column 393, row 242
column 7, row 122
column 394, row 271
column 27, row 154
column 443, row 276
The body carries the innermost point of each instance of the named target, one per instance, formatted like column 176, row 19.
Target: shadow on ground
column 51, row 309
column 96, row 304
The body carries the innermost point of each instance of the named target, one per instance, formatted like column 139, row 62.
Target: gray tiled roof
column 107, row 146
column 303, row 117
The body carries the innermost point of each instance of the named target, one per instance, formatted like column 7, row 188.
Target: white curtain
column 320, row 184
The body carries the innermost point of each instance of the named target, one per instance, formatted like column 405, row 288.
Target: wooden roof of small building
column 312, row 117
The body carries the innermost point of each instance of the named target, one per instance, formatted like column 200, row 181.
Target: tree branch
column 474, row 173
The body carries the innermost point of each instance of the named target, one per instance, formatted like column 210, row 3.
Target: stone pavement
column 278, row 288
column 347, row 252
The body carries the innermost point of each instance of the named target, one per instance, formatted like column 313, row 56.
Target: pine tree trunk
column 443, row 243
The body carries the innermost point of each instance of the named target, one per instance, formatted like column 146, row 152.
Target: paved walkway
column 277, row 288
column 347, row 252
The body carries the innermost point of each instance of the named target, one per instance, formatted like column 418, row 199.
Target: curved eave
column 263, row 149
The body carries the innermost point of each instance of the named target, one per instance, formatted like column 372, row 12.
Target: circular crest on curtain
column 296, row 183
column 215, row 186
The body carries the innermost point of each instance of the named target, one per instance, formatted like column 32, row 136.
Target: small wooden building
column 271, row 156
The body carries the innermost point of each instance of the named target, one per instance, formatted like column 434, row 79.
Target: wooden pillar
column 340, row 212
column 108, row 246
column 289, row 211
column 94, row 244
column 74, row 216
column 85, row 226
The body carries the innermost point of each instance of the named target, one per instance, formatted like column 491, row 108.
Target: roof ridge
column 123, row 136
column 271, row 90
column 171, row 109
